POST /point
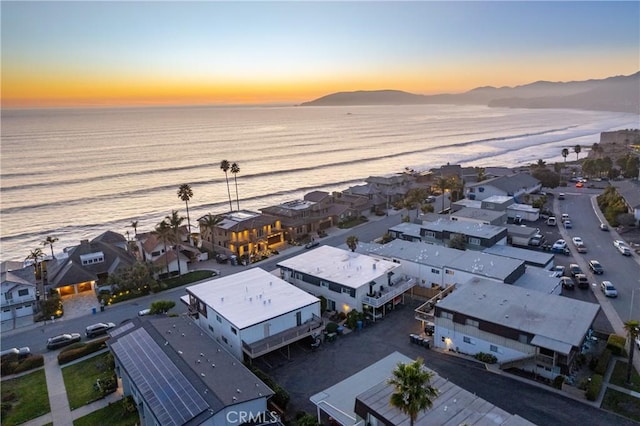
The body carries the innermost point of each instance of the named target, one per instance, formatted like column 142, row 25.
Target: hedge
column 13, row 364
column 603, row 362
column 281, row 397
column 616, row 344
column 484, row 357
column 77, row 351
column 593, row 390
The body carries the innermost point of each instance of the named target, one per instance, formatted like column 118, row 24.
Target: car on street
column 568, row 224
column 144, row 312
column 608, row 289
column 622, row 247
column 559, row 245
column 558, row 270
column 551, row 221
column 564, row 216
column 581, row 280
column 561, row 196
column 19, row 352
column 580, row 247
column 98, row 329
column 567, row 283
column 579, row 185
column 312, row 244
column 604, row 227
column 596, row 267
column 577, row 240
column 574, row 269
column 61, row 340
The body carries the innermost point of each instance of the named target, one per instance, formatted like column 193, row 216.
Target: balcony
column 424, row 312
column 282, row 339
column 389, row 292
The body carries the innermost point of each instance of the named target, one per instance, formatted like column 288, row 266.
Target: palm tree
column 413, row 392
column 235, row 169
column 175, row 221
column 224, row 166
column 209, row 222
column 164, row 233
column 442, row 184
column 352, row 242
column 134, row 225
column 633, row 331
column 577, row 150
column 565, row 154
column 185, row 194
column 49, row 241
column 481, row 174
column 36, row 255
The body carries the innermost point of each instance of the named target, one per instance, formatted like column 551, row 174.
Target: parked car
column 604, row 227
column 567, row 283
column 568, row 224
column 559, row 245
column 608, row 289
column 61, row 340
column 574, row 269
column 98, row 329
column 558, row 270
column 581, row 280
column 596, row 267
column 561, row 196
column 20, row 352
column 551, row 221
column 144, row 312
column 579, row 185
column 622, row 247
column 536, row 240
column 312, row 244
column 565, row 216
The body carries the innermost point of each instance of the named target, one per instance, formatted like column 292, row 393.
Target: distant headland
column 616, row 94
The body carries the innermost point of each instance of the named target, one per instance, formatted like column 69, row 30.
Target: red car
column 579, row 185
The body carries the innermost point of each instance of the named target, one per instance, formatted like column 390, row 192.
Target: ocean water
column 75, row 173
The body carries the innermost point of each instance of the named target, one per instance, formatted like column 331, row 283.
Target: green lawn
column 28, row 397
column 621, row 403
column 80, row 378
column 112, row 415
column 188, row 278
column 619, row 377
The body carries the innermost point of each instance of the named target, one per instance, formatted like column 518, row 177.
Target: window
column 448, row 272
column 218, row 318
column 8, row 295
column 234, row 331
column 473, row 323
column 23, row 292
column 468, row 340
column 474, row 241
column 493, row 348
column 447, row 315
column 435, row 271
column 224, row 339
column 324, row 284
column 211, row 327
column 91, row 258
column 523, row 338
column 430, row 234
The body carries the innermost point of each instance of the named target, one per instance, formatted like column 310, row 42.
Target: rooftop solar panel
column 118, row 331
column 169, row 395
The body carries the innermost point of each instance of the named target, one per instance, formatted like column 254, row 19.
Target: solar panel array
column 118, row 331
column 169, row 395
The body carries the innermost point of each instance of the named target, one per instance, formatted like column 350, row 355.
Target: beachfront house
column 304, row 218
column 253, row 312
column 348, row 280
column 513, row 186
column 530, row 330
column 245, row 234
column 18, row 293
column 177, row 375
column 364, row 399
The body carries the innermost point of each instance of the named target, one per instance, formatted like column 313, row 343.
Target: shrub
column 558, row 381
column 603, row 362
column 331, row 327
column 13, row 364
column 342, row 316
column 593, row 389
column 484, row 357
column 281, row 397
column 615, row 344
column 79, row 350
column 323, row 303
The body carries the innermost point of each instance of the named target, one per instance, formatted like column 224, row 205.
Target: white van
column 551, row 221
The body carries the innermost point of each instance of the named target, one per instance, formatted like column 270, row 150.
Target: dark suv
column 98, row 329
column 63, row 340
column 596, row 267
column 574, row 269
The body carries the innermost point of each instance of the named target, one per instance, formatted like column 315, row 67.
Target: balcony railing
column 389, row 293
column 424, row 312
column 283, row 338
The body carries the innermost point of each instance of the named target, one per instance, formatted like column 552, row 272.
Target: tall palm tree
column 175, row 221
column 225, row 166
column 209, row 222
column 134, row 225
column 164, row 233
column 633, row 331
column 413, row 392
column 49, row 241
column 352, row 242
column 481, row 174
column 235, row 169
column 36, row 255
column 577, row 149
column 565, row 154
column 442, row 184
column 185, row 194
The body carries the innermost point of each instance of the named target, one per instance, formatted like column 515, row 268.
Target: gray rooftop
column 487, row 265
column 529, row 256
column 510, row 184
column 538, row 279
column 407, row 228
column 478, row 230
column 478, row 214
column 418, row 252
column 558, row 319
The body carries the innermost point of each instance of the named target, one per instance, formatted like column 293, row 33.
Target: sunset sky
column 101, row 53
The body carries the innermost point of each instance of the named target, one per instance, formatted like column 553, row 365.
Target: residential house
column 536, row 332
column 253, row 312
column 476, row 236
column 19, row 294
column 300, row 218
column 364, row 399
column 348, row 280
column 171, row 263
column 513, row 186
column 630, row 191
column 348, row 205
column 245, row 234
column 177, row 375
column 539, row 259
column 484, row 216
column 88, row 264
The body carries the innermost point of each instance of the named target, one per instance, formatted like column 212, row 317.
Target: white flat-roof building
column 363, row 398
column 253, row 312
column 540, row 259
column 531, row 330
column 348, row 280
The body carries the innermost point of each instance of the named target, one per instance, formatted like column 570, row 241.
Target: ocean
column 75, row 173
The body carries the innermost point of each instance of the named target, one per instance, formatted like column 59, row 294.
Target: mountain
column 618, row 94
